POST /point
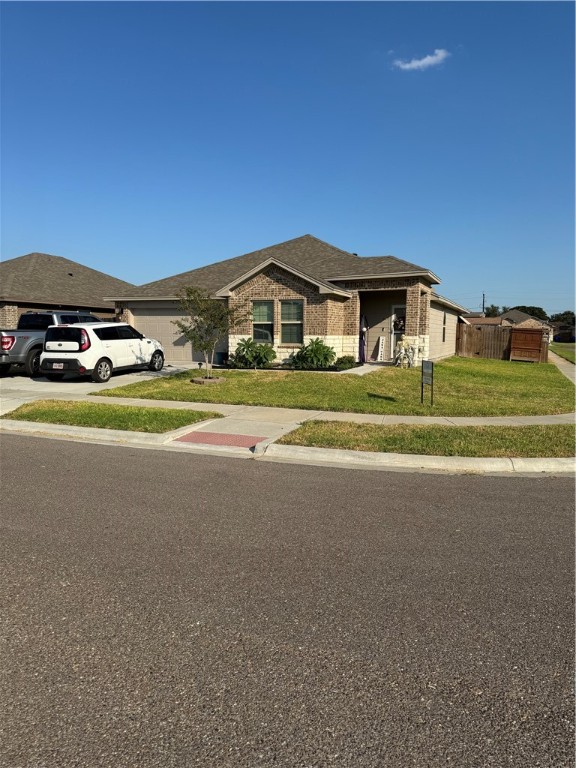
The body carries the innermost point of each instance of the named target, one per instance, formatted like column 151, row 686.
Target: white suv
column 97, row 349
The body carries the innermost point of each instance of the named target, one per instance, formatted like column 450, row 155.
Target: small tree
column 208, row 321
column 566, row 317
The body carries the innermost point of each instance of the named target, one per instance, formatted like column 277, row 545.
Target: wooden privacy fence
column 498, row 342
column 491, row 341
column 529, row 344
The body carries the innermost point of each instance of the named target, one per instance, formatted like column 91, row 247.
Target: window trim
column 268, row 323
column 292, row 323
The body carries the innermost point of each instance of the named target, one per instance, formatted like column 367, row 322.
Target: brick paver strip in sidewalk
column 217, row 438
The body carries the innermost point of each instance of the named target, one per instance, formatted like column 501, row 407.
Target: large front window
column 291, row 318
column 263, row 322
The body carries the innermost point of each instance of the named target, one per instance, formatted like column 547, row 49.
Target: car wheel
column 156, row 361
column 102, row 371
column 4, row 369
column 32, row 364
column 54, row 376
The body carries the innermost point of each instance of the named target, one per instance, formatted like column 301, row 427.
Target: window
column 291, row 317
column 263, row 322
column 34, row 322
column 127, row 332
column 63, row 333
column 108, row 333
column 444, row 327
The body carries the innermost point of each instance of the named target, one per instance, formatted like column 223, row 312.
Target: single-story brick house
column 40, row 281
column 302, row 289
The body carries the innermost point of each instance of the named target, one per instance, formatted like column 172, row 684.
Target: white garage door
column 156, row 324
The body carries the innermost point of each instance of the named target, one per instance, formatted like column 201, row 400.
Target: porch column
column 418, row 321
column 424, row 327
column 413, row 310
column 424, row 335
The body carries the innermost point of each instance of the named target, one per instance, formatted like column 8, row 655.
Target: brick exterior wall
column 126, row 316
column 9, row 315
column 413, row 310
column 334, row 319
column 417, row 299
column 417, row 316
column 424, row 322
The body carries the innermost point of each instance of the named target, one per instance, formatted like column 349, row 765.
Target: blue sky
column 146, row 139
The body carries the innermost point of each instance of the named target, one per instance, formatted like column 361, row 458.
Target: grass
column 108, row 416
column 565, row 350
column 462, row 387
column 550, row 441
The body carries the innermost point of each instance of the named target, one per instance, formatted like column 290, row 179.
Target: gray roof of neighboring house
column 516, row 316
column 40, row 278
column 307, row 254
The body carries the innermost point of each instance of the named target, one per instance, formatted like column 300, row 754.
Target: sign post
column 428, row 379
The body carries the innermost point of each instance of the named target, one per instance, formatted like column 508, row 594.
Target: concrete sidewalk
column 567, row 368
column 251, row 431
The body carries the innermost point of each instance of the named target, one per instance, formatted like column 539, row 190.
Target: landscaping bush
column 313, row 355
column 249, row 354
column 344, row 363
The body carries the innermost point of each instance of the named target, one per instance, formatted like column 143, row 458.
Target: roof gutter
column 446, row 302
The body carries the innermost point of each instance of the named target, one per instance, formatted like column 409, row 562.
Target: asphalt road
column 170, row 610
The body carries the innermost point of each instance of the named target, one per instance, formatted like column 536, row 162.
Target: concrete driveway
column 18, row 388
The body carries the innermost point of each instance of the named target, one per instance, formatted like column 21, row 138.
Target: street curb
column 461, row 464
column 267, row 450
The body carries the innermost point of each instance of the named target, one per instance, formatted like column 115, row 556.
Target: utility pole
column 483, row 302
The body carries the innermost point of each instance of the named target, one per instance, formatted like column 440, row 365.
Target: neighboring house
column 39, row 281
column 479, row 321
column 520, row 319
column 513, row 318
column 302, row 289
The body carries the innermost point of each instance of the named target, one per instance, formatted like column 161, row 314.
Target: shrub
column 345, row 362
column 313, row 355
column 249, row 354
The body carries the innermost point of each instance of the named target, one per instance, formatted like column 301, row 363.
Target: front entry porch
column 386, row 316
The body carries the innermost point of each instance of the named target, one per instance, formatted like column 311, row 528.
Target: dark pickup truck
column 22, row 346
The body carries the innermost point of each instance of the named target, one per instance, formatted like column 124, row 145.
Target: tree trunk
column 208, row 366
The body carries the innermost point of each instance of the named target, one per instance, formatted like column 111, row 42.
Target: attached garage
column 155, row 321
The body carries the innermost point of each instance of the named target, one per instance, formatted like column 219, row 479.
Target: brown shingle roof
column 307, row 254
column 44, row 279
column 484, row 320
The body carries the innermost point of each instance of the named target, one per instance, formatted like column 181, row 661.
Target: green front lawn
column 565, row 350
column 463, row 387
column 550, row 441
column 108, row 416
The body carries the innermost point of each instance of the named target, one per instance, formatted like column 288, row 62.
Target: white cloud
column 439, row 55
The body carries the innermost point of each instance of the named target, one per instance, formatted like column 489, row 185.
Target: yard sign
column 428, row 379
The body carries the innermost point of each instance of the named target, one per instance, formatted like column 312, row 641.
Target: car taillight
column 8, row 342
column 84, row 341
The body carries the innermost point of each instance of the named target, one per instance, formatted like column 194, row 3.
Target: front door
column 397, row 326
